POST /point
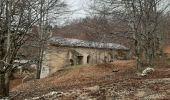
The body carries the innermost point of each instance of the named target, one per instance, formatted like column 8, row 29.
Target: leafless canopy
column 17, row 18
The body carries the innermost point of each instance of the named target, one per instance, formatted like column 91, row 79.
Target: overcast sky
column 79, row 6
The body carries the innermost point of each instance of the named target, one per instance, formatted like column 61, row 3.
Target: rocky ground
column 116, row 81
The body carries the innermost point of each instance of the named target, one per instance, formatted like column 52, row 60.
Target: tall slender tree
column 144, row 18
column 54, row 8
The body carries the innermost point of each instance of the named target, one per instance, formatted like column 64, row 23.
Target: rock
column 83, row 96
column 140, row 94
column 147, row 71
column 93, row 89
column 49, row 95
column 115, row 70
column 155, row 97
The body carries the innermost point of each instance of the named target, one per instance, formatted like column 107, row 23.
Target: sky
column 79, row 7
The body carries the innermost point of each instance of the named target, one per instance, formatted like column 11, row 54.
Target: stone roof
column 82, row 43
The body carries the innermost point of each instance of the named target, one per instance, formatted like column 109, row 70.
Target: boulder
column 147, row 71
column 93, row 89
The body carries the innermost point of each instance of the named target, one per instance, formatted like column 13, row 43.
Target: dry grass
column 15, row 83
column 124, row 64
column 88, row 75
column 166, row 49
column 77, row 75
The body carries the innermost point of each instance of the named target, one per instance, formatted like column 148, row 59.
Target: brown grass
column 88, row 75
column 77, row 75
column 166, row 49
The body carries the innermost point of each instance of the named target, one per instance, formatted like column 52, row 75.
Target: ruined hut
column 64, row 52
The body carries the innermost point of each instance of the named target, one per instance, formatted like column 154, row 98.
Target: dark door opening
column 105, row 59
column 88, row 59
column 79, row 60
column 71, row 62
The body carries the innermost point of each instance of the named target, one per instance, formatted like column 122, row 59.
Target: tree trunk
column 4, row 85
column 41, row 54
column 38, row 76
column 41, row 34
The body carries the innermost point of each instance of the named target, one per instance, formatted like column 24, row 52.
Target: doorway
column 79, row 60
column 88, row 59
column 71, row 62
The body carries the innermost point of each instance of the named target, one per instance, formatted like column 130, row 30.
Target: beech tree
column 17, row 18
column 48, row 10
column 143, row 20
column 16, row 21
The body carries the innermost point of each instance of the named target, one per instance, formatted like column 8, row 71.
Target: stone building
column 64, row 52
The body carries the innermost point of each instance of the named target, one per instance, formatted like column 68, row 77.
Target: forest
column 119, row 50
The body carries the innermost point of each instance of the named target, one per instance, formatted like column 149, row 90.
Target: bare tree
column 143, row 18
column 54, row 8
column 108, row 14
column 15, row 24
column 17, row 18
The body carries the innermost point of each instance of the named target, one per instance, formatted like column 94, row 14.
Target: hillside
column 117, row 80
